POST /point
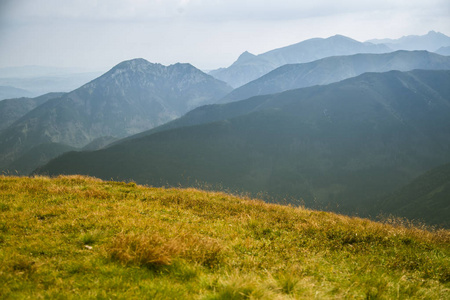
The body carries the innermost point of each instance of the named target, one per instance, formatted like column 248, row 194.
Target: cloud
column 206, row 10
column 207, row 33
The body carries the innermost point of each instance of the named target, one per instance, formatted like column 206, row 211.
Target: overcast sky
column 209, row 34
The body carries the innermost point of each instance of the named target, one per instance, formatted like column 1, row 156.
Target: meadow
column 76, row 237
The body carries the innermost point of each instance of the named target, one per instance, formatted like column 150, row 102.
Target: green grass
column 81, row 238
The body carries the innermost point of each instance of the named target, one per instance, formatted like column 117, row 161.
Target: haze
column 206, row 33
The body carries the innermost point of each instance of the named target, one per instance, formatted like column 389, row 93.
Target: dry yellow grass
column 80, row 237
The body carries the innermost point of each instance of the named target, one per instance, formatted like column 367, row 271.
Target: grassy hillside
column 80, row 237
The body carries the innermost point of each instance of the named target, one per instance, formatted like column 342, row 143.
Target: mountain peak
column 133, row 63
column 246, row 56
column 183, row 66
column 340, row 37
column 432, row 32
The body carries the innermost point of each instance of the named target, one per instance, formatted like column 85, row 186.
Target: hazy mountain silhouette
column 431, row 41
column 9, row 92
column 333, row 69
column 250, row 67
column 444, row 51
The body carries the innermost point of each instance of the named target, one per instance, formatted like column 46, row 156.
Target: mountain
column 426, row 198
column 246, row 68
column 431, row 41
column 13, row 109
column 7, row 92
column 336, row 147
column 336, row 68
column 99, row 143
column 250, row 67
column 444, row 51
column 133, row 96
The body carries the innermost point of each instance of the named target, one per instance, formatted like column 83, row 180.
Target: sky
column 98, row 34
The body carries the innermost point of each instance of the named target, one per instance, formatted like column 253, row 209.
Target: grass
column 75, row 237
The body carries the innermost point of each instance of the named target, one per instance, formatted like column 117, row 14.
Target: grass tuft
column 143, row 250
column 154, row 250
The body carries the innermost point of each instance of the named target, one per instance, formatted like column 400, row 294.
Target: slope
column 79, row 237
column 250, row 67
column 426, row 198
column 13, row 109
column 337, row 146
column 444, row 51
column 334, row 69
column 132, row 97
column 36, row 157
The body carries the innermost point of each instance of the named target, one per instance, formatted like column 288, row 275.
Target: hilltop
column 80, row 237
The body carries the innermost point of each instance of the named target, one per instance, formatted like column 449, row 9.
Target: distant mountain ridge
column 444, row 51
column 336, row 147
column 431, row 41
column 9, row 92
column 336, row 68
column 134, row 96
column 249, row 67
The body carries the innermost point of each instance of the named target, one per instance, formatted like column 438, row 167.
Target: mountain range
column 133, row 96
column 9, row 92
column 249, row 67
column 338, row 146
column 432, row 41
column 444, row 51
column 336, row 68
